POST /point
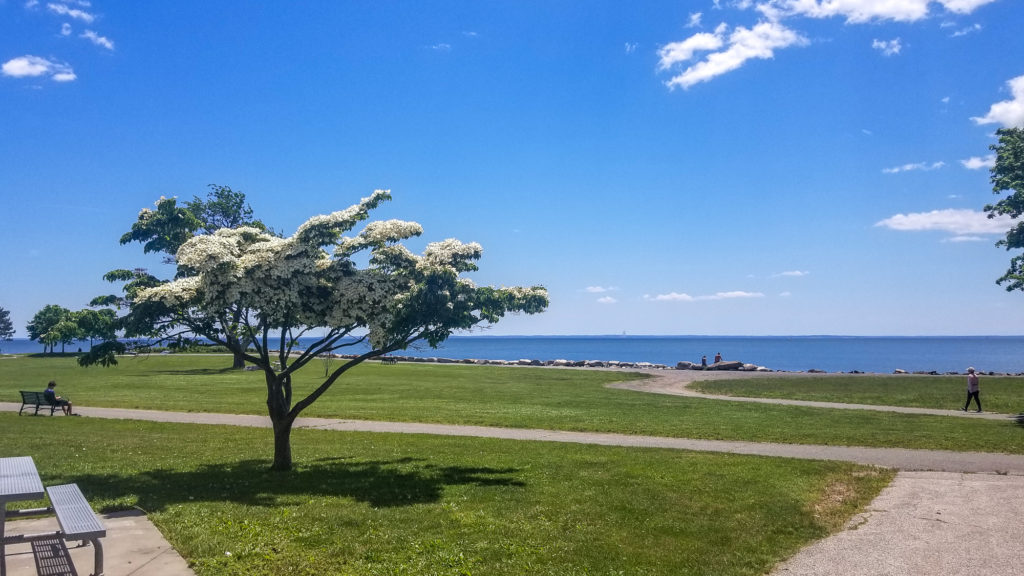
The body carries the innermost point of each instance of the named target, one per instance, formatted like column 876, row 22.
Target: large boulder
column 726, row 365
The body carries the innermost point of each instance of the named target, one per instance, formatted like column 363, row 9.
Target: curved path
column 677, row 383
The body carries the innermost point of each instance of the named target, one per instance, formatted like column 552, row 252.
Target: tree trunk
column 239, row 361
column 282, row 445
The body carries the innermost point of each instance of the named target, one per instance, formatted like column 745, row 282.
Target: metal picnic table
column 19, row 480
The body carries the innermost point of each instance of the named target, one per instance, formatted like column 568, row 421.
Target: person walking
column 972, row 389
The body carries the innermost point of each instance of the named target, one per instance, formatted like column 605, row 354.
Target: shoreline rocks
column 725, row 365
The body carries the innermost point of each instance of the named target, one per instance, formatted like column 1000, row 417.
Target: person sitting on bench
column 52, row 398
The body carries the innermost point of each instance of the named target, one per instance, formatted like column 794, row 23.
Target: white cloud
column 743, row 44
column 785, row 294
column 794, row 273
column 862, row 11
column 599, row 289
column 958, row 239
column 33, row 67
column 1009, row 113
column 855, row 11
column 677, row 52
column 631, row 47
column 607, row 300
column 65, row 10
column 966, row 31
column 671, row 297
column 442, row 47
column 977, row 163
column 683, row 297
column 919, row 166
column 30, row 4
column 945, row 100
column 65, row 29
column 771, row 34
column 959, row 222
column 964, row 6
column 98, row 40
column 887, row 47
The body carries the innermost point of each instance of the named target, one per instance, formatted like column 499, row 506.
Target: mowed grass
column 1002, row 394
column 379, row 504
column 576, row 400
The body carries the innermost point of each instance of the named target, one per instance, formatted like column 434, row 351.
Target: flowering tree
column 283, row 288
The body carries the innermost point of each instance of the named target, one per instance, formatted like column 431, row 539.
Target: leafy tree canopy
column 1007, row 176
column 6, row 326
column 53, row 325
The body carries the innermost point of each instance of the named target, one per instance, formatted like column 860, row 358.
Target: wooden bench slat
column 75, row 516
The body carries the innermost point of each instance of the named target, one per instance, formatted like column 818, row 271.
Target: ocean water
column 1004, row 354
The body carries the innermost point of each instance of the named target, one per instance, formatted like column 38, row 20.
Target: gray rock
column 726, row 365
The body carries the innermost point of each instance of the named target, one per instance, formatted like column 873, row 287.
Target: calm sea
column 792, row 353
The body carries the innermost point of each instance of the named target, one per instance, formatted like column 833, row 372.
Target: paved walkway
column 133, row 547
column 898, row 458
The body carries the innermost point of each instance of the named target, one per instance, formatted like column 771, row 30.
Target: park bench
column 37, row 399
column 388, row 360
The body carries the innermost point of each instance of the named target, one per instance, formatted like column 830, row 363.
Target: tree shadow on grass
column 379, row 483
column 197, row 371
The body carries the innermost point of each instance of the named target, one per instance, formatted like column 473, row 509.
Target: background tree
column 6, row 326
column 1008, row 176
column 164, row 230
column 93, row 324
column 51, row 326
column 222, row 208
column 282, row 289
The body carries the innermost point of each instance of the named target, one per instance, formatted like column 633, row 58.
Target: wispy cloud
column 741, row 45
column 792, row 273
column 961, row 223
column 966, row 31
column 728, row 51
column 864, row 11
column 1009, row 113
column 918, row 166
column 98, row 40
column 441, row 47
column 65, row 29
column 977, row 163
column 65, row 10
column 887, row 47
column 683, row 297
column 599, row 289
column 34, row 67
column 631, row 47
column 606, row 300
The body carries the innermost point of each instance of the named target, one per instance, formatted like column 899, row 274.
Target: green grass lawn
column 495, row 396
column 1002, row 394
column 396, row 504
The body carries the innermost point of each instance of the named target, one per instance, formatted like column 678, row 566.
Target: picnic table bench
column 19, row 480
column 37, row 399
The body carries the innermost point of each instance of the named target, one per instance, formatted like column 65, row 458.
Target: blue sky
column 749, row 167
